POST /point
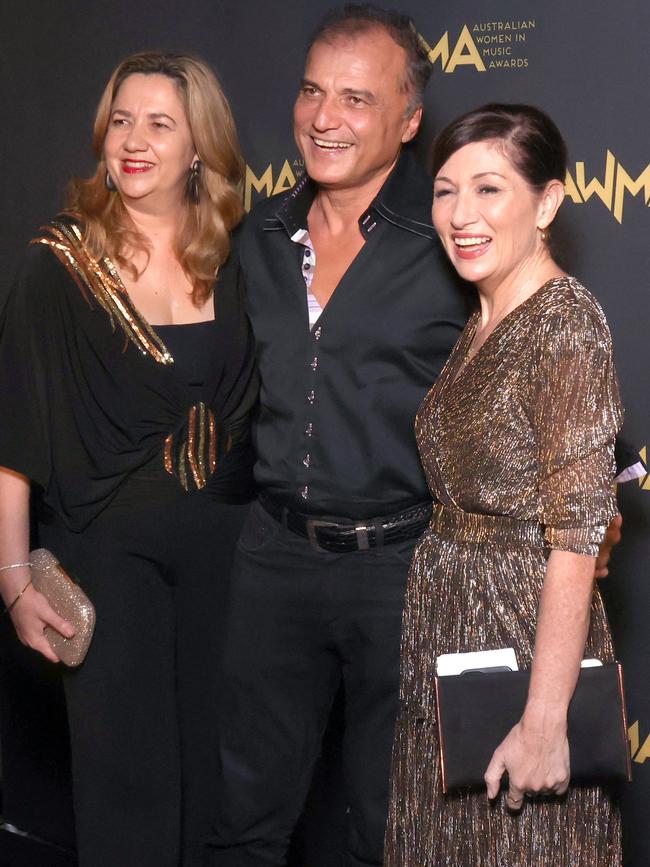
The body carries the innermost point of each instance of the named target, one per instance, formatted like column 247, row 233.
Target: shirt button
column 311, row 397
column 317, row 333
column 304, row 492
column 306, row 266
column 309, row 430
column 307, row 251
column 314, row 363
column 307, row 460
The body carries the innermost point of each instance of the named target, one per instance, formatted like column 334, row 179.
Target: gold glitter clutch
column 476, row 711
column 69, row 601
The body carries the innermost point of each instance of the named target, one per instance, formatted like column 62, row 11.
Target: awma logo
column 269, row 183
column 488, row 45
column 464, row 52
column 611, row 188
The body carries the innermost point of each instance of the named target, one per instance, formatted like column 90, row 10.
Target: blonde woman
column 126, row 383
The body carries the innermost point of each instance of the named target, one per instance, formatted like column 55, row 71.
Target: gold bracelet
column 11, row 605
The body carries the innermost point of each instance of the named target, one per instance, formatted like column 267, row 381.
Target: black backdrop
column 584, row 62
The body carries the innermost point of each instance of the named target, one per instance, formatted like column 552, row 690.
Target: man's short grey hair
column 354, row 19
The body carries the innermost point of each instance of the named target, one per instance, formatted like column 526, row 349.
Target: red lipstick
column 140, row 167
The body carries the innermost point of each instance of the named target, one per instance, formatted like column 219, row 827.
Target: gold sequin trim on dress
column 104, row 284
column 191, row 455
column 478, row 529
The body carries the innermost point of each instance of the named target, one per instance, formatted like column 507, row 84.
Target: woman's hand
column 535, row 756
column 30, row 615
column 535, row 753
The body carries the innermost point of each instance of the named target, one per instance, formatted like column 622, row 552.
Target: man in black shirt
column 354, row 314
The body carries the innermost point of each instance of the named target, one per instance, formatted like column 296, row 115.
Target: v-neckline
column 461, row 368
column 167, row 357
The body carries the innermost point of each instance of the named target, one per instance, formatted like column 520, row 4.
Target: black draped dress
column 142, row 466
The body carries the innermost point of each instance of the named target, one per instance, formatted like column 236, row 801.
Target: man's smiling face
column 350, row 117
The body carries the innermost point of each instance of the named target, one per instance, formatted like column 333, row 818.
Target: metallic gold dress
column 517, row 444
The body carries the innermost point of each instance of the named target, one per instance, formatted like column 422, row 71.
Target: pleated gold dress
column 517, row 444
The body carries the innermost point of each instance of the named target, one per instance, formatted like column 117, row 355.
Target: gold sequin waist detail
column 471, row 527
column 192, row 454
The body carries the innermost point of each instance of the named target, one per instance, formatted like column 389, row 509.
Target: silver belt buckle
column 362, row 537
column 312, row 524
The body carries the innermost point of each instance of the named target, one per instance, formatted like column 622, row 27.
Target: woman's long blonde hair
column 203, row 240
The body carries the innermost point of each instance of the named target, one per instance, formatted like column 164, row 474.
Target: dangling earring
column 193, row 183
column 110, row 183
column 542, row 234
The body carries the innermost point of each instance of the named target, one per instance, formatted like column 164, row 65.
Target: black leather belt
column 328, row 534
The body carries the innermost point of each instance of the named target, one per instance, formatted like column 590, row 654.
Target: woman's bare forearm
column 535, row 753
column 562, row 626
column 14, row 532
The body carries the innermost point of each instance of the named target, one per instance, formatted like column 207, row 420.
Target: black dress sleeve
column 88, row 393
column 81, row 405
column 25, row 364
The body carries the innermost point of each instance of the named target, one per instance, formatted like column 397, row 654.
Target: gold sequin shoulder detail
column 101, row 281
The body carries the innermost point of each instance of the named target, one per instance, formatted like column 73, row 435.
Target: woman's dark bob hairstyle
column 530, row 139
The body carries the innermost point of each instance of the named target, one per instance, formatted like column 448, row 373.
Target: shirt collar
column 404, row 200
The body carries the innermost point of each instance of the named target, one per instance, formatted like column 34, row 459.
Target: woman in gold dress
column 516, row 438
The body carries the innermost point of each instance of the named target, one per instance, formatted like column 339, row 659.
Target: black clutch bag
column 476, row 711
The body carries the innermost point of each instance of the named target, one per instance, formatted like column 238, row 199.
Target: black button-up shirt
column 335, row 429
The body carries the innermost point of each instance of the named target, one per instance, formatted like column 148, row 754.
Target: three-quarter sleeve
column 24, row 441
column 576, row 413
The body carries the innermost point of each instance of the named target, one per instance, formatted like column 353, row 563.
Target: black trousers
column 141, row 707
column 299, row 621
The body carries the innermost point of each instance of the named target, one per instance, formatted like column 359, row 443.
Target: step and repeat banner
column 584, row 63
